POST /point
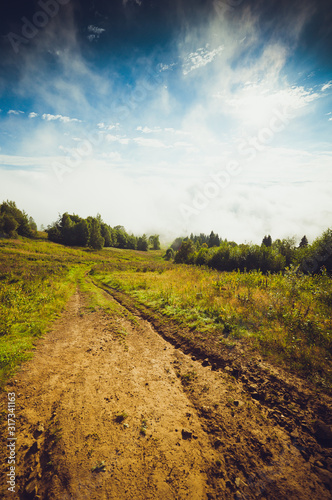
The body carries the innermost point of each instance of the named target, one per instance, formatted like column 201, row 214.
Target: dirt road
column 107, row 409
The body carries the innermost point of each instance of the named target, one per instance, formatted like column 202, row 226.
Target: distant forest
column 270, row 256
column 73, row 230
column 200, row 250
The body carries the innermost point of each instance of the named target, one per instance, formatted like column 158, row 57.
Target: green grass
column 36, row 280
column 284, row 317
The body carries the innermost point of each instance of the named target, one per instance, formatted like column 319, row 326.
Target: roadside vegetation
column 286, row 317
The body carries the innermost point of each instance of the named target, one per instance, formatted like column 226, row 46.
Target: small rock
column 186, row 434
column 237, row 482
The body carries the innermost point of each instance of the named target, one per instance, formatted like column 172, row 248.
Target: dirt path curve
column 107, row 409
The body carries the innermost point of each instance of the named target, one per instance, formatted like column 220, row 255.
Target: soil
column 110, row 408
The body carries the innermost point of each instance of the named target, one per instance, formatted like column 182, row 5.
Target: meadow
column 285, row 317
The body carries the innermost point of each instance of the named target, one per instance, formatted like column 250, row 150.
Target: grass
column 284, row 317
column 36, row 280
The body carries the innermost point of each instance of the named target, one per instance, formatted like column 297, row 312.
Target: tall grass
column 287, row 317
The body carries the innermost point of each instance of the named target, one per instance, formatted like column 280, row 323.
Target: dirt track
column 107, row 409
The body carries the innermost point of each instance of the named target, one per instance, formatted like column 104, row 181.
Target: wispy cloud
column 326, row 86
column 64, row 119
column 15, row 112
column 33, row 114
column 200, row 58
column 95, row 32
column 117, row 138
column 147, row 130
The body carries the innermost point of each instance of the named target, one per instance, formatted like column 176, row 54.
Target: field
column 284, row 318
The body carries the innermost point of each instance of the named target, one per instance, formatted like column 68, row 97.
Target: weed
column 188, row 377
column 99, row 467
column 144, row 426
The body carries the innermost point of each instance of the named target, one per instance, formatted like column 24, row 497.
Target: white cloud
column 95, row 30
column 117, row 138
column 61, row 118
column 15, row 112
column 147, row 130
column 200, row 58
column 326, row 86
column 33, row 114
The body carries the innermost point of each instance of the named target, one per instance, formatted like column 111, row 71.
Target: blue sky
column 169, row 117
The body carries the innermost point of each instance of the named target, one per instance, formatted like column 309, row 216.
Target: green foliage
column 267, row 241
column 185, row 254
column 72, row 230
column 142, row 243
column 169, row 254
column 96, row 241
column 13, row 221
column 154, row 242
column 269, row 257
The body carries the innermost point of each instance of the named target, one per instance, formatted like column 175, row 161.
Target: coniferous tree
column 303, row 242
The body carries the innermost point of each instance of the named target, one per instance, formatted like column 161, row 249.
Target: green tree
column 214, row 240
column 169, row 254
column 185, row 254
column 267, row 241
column 106, row 234
column 8, row 225
column 96, row 240
column 154, row 242
column 303, row 242
column 32, row 224
column 142, row 243
column 10, row 208
column 176, row 244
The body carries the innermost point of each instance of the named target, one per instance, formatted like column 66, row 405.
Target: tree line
column 73, row 230
column 14, row 222
column 93, row 232
column 270, row 256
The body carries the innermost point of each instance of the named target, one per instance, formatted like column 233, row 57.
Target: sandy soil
column 108, row 409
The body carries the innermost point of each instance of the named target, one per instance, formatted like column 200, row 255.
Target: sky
column 171, row 116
